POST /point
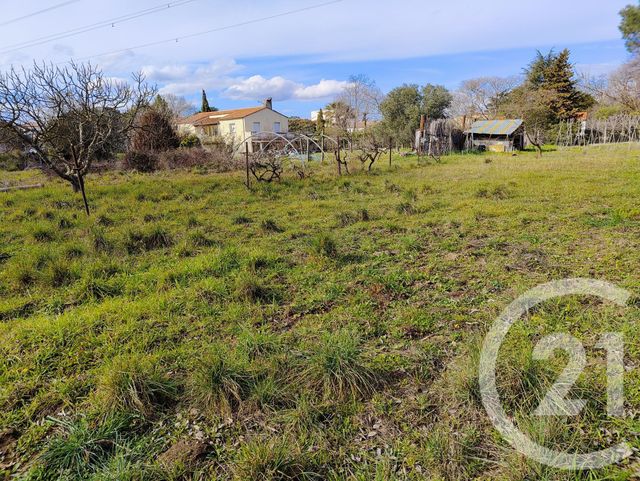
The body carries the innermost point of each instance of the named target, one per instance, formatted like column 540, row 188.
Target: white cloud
column 222, row 77
column 321, row 90
column 280, row 88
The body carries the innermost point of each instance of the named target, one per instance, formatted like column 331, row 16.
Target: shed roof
column 495, row 127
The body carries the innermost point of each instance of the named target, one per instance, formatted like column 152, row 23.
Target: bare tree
column 363, row 97
column 68, row 116
column 179, row 106
column 482, row 96
column 623, row 86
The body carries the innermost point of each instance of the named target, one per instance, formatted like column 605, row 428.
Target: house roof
column 495, row 127
column 214, row 118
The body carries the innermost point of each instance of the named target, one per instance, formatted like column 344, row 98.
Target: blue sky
column 303, row 58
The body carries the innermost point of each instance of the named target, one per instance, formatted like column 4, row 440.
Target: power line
column 206, row 32
column 112, row 22
column 33, row 14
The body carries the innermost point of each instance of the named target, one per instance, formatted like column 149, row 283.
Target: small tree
column 67, row 116
column 371, row 146
column 531, row 105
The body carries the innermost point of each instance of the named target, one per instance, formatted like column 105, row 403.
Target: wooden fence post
column 246, row 163
column 390, row 149
column 338, row 158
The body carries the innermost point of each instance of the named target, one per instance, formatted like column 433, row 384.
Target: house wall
column 266, row 118
column 243, row 127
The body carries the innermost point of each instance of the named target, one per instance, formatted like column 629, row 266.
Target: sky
column 302, row 52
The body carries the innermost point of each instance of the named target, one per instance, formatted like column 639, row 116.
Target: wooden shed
column 496, row 135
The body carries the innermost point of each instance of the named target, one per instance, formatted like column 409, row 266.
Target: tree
column 371, row 145
column 301, row 126
column 401, row 112
column 630, row 27
column 179, row 106
column 65, row 116
column 559, row 77
column 554, row 73
column 436, row 99
column 483, row 96
column 363, row 98
column 205, row 104
column 532, row 106
column 623, row 87
column 342, row 115
column 320, row 123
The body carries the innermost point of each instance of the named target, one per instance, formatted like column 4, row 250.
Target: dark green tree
column 554, row 73
column 560, row 79
column 436, row 99
column 630, row 27
column 205, row 104
column 401, row 112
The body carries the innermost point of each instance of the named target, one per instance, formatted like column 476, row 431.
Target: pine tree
column 554, row 73
column 630, row 27
column 320, row 123
column 205, row 103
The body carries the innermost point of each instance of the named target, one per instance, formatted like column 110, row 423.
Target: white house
column 235, row 126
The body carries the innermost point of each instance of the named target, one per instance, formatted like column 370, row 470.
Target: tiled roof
column 213, row 118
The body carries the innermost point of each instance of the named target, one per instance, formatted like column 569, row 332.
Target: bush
column 12, row 161
column 142, row 161
column 190, row 141
column 218, row 159
column 155, row 132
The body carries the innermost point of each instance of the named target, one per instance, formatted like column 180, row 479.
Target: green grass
column 325, row 328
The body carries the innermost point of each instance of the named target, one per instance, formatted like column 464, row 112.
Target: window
column 276, row 127
column 256, row 128
column 232, row 129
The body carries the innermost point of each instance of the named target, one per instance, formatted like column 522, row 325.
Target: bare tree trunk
column 84, row 194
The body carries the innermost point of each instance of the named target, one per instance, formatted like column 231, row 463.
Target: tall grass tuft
column 220, row 381
column 136, row 384
column 334, row 368
column 274, row 461
column 157, row 237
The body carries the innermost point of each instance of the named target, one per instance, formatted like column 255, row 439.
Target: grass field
column 325, row 328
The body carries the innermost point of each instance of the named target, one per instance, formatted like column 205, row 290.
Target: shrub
column 155, row 132
column 140, row 160
column 190, row 141
column 218, row 159
column 13, row 160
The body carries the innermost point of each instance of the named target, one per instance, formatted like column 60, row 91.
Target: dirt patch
column 186, row 452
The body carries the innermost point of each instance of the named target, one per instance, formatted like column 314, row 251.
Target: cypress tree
column 205, row 102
